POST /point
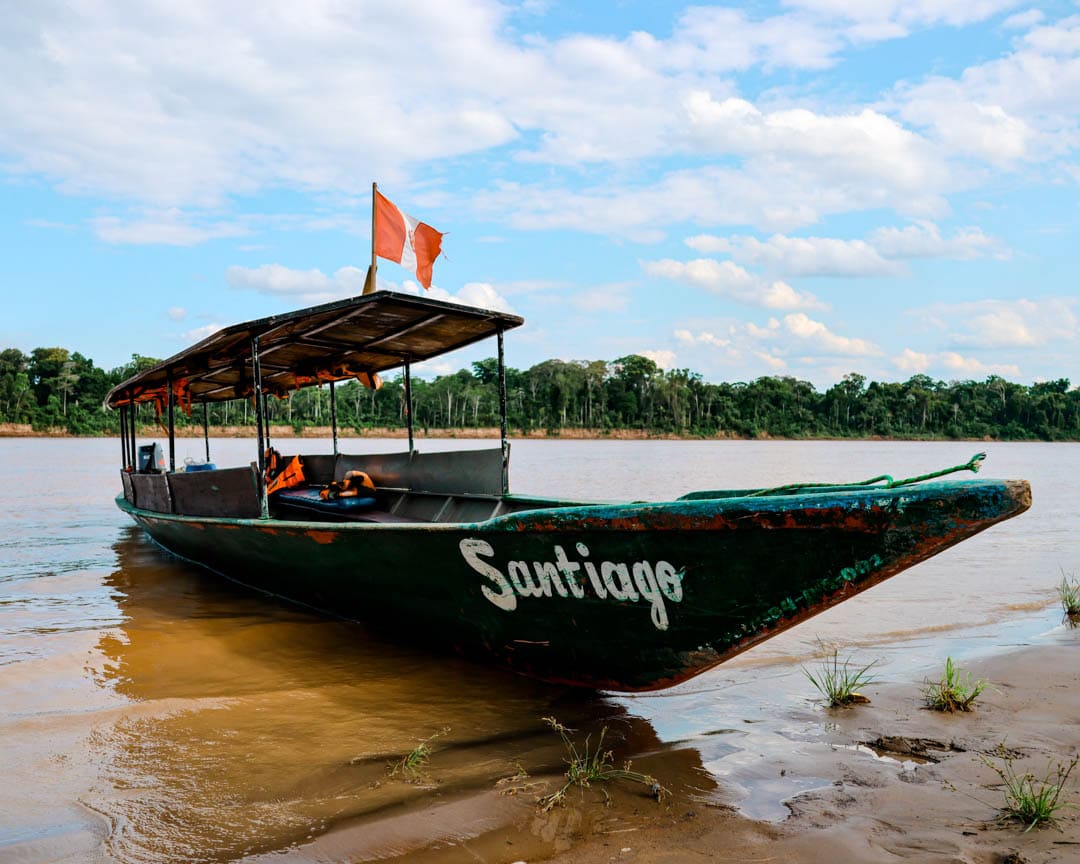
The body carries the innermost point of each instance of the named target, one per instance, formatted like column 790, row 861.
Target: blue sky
column 804, row 188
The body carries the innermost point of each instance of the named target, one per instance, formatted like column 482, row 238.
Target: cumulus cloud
column 483, row 295
column 663, row 358
column 816, row 337
column 602, row 298
column 882, row 253
column 195, row 105
column 200, row 333
column 950, row 363
column 1023, row 324
column 731, row 281
column 923, row 239
column 312, row 286
column 799, row 256
column 887, row 19
column 170, row 227
column 1022, row 105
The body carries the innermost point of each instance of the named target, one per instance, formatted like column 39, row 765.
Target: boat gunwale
column 598, row 512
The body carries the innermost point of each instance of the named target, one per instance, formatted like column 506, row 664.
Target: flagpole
column 369, row 282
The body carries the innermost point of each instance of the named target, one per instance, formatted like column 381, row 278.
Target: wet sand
column 888, row 805
column 876, row 800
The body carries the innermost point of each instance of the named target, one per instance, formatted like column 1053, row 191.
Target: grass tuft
column 410, row 767
column 1069, row 593
column 955, row 691
column 589, row 765
column 1031, row 800
column 839, row 682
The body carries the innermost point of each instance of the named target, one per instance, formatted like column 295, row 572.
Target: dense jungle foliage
column 54, row 388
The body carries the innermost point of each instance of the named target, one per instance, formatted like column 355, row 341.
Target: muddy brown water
column 152, row 712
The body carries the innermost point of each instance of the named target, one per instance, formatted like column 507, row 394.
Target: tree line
column 54, row 388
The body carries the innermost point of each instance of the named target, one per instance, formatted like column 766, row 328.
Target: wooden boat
column 633, row 596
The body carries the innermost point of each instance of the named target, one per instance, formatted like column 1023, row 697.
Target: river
column 151, row 712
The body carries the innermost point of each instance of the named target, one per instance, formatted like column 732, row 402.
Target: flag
column 399, row 237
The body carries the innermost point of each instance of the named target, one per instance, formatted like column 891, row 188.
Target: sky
column 805, row 188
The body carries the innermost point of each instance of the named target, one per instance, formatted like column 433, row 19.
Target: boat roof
column 353, row 338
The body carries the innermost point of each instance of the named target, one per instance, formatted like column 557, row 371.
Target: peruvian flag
column 399, row 237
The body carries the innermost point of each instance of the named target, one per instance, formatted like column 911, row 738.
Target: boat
column 433, row 549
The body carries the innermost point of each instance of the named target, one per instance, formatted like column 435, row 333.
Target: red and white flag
column 399, row 237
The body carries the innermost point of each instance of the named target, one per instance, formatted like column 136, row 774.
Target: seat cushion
column 308, row 498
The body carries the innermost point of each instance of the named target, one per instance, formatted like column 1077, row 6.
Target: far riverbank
column 25, row 430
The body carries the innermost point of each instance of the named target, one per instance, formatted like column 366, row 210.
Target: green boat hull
column 622, row 597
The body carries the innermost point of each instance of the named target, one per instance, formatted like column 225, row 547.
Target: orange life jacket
column 282, row 472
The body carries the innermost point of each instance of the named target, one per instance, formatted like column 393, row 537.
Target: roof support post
column 206, row 428
column 333, row 415
column 133, row 412
column 123, row 437
column 408, row 404
column 172, row 425
column 256, row 375
column 502, row 418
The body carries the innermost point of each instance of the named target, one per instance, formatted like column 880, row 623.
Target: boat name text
column 640, row 581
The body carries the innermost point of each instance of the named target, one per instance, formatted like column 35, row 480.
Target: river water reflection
column 153, row 712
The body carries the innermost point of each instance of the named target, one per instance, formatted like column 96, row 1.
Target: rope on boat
column 882, row 481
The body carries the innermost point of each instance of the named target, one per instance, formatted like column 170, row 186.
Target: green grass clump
column 1031, row 800
column 411, row 765
column 839, row 682
column 955, row 691
column 589, row 765
column 1069, row 593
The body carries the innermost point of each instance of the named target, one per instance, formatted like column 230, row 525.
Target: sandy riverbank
column 25, row 430
column 938, row 806
column 890, row 807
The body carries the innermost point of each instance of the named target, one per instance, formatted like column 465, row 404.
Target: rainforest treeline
column 53, row 388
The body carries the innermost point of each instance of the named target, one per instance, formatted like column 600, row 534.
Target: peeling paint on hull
column 749, row 568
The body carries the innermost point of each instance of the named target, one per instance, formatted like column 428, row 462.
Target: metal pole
column 369, row 281
column 172, row 429
column 123, row 437
column 206, row 429
column 333, row 415
column 256, row 374
column 266, row 417
column 408, row 404
column 132, row 410
column 502, row 418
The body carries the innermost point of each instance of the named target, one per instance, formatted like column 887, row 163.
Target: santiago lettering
column 641, row 580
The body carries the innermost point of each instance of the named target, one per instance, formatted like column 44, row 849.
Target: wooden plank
column 225, row 492
column 152, row 492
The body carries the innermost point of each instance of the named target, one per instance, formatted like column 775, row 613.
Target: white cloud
column 663, row 358
column 923, row 239
column 730, row 280
column 775, row 364
column 882, row 19
column 819, row 338
column 702, row 338
column 312, row 286
column 601, row 298
column 950, row 363
column 483, row 295
column 194, row 105
column 1023, row 105
column 800, row 256
column 1023, row 324
column 1024, row 20
column 880, row 254
column 177, row 313
column 200, row 333
column 170, row 227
